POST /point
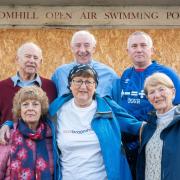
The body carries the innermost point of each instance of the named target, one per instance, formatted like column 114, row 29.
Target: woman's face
column 161, row 97
column 83, row 89
column 31, row 113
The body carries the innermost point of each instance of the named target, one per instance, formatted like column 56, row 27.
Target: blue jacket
column 105, row 73
column 108, row 122
column 170, row 162
column 56, row 155
column 129, row 90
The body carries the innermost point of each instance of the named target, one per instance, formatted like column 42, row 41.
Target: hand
column 4, row 134
column 141, row 130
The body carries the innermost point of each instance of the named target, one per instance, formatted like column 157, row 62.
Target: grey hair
column 137, row 33
column 83, row 33
column 28, row 44
column 156, row 79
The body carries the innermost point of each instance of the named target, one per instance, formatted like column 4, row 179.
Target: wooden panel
column 111, row 47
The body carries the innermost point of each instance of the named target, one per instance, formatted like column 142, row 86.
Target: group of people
column 98, row 125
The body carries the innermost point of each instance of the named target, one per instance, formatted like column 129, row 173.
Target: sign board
column 73, row 16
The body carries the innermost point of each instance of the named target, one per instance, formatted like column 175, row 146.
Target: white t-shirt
column 81, row 157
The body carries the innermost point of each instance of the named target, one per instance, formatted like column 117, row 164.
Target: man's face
column 82, row 49
column 29, row 61
column 140, row 51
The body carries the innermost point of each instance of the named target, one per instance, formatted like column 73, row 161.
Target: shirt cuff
column 8, row 123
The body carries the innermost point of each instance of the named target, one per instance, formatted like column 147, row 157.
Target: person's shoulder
column 177, row 110
column 101, row 66
column 49, row 87
column 158, row 66
column 113, row 104
column 6, row 81
column 47, row 83
column 97, row 63
column 58, row 102
column 127, row 71
column 45, row 80
column 64, row 67
column 7, row 89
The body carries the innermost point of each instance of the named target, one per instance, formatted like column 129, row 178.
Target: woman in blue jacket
column 89, row 130
column 160, row 146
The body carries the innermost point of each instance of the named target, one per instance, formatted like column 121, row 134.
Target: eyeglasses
column 79, row 83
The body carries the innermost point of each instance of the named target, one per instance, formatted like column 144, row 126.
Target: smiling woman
column 161, row 132
column 30, row 113
column 34, row 154
column 83, row 83
column 29, row 105
column 160, row 92
column 89, row 130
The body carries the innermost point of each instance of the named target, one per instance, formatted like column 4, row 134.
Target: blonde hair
column 29, row 93
column 156, row 79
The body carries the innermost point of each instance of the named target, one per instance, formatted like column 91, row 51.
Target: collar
column 103, row 109
column 177, row 111
column 175, row 121
column 139, row 69
column 143, row 70
column 91, row 62
column 153, row 117
column 176, row 116
column 18, row 81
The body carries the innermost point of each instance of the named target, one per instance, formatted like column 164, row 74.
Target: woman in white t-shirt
column 89, row 130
